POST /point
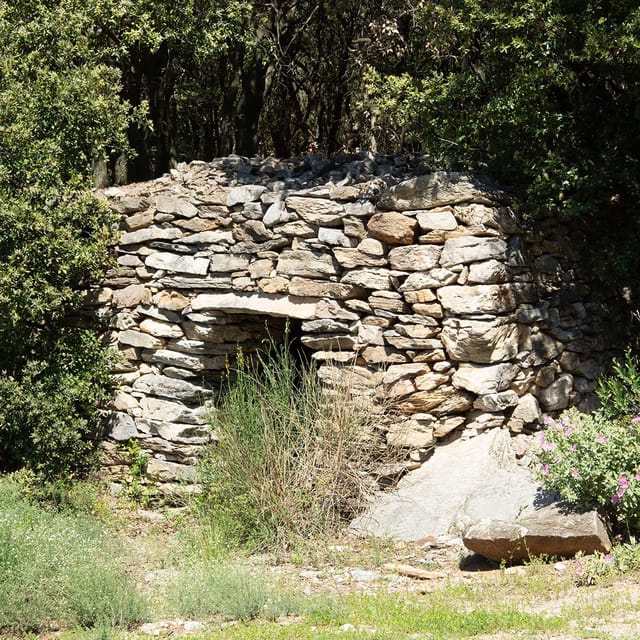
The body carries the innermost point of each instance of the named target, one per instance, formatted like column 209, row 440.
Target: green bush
column 593, row 462
column 59, row 568
column 289, row 456
column 619, row 392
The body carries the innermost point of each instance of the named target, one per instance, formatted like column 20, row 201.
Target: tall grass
column 291, row 456
column 58, row 569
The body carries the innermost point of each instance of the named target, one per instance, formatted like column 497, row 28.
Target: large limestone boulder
column 553, row 530
column 456, row 487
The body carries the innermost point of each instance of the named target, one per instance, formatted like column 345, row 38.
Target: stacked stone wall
column 424, row 287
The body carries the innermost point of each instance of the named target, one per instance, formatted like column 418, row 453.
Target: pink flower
column 601, row 439
column 549, row 446
column 637, row 476
column 547, row 420
column 623, row 483
column 567, row 432
column 635, row 420
column 545, row 469
column 566, row 422
column 575, row 473
column 574, row 447
column 615, row 498
column 608, row 558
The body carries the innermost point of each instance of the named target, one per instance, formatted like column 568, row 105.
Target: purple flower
column 623, row 483
column 567, row 432
column 601, row 439
column 575, row 473
column 547, row 420
column 548, row 446
column 637, row 476
column 615, row 498
column 545, row 469
column 635, row 420
column 566, row 422
column 574, row 447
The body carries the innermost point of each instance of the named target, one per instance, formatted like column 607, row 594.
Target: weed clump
column 291, row 455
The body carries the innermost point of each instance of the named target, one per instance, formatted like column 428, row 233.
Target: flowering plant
column 593, row 462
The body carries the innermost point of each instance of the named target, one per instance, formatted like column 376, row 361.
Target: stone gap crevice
column 424, row 286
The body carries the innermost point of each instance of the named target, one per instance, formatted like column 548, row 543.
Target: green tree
column 60, row 109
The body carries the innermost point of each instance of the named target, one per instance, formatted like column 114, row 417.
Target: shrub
column 593, row 462
column 619, row 392
column 289, row 458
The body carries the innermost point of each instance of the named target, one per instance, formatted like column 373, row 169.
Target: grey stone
column 176, row 206
column 482, row 298
column 551, row 531
column 168, row 411
column 271, row 304
column 437, row 189
column 164, row 387
column 469, row 249
column 161, row 329
column 277, row 213
column 377, row 279
column 437, row 219
column 177, row 263
column 409, row 434
column 317, row 211
column 139, row 339
column 489, row 272
column 556, row 396
column 226, row 263
column 245, row 193
column 494, row 402
column 457, row 486
column 149, row 234
column 432, row 280
column 120, row 426
column 334, row 237
column 209, row 238
column 307, row 264
column 484, row 379
column 351, row 258
column 414, row 258
column 480, row 341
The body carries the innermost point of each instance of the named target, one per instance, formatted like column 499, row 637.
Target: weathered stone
column 297, row 229
column 209, row 238
column 469, row 249
column 435, row 278
column 274, row 285
column 409, row 434
column 123, row 402
column 446, row 425
column 556, row 396
column 430, row 381
column 484, row 379
column 421, row 295
column 399, row 371
column 322, row 289
column 161, row 329
column 527, row 410
column 363, row 208
column 441, row 401
column 437, row 220
column 437, row 189
column 138, row 339
column 494, row 402
column 324, row 325
column 131, row 296
column 275, row 305
column 482, row 298
column 120, row 426
column 164, row 387
column 338, row 342
column 371, row 246
column 551, row 531
column 197, row 225
column 490, row 272
column 149, row 234
column 458, row 485
column 350, row 258
column 307, row 264
column 333, row 309
column 171, row 300
column 382, row 355
column 377, row 279
column 129, row 205
column 480, row 215
column 277, row 213
column 228, row 262
column 349, row 377
column 480, row 341
column 334, row 237
column 393, row 304
column 177, row 263
column 164, row 471
column 138, row 221
column 392, row 228
column 183, row 361
column 245, row 193
column 316, row 211
column 176, row 206
column 414, row 258
column 169, row 411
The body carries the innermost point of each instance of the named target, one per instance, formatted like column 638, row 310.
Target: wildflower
column 547, row 420
column 567, row 432
column 548, row 446
column 608, row 558
column 545, row 469
column 575, row 473
column 635, row 420
column 623, row 483
column 565, row 422
column 579, row 568
column 637, row 476
column 615, row 498
column 574, row 447
column 601, row 439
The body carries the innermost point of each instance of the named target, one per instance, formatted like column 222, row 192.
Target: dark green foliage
column 59, row 108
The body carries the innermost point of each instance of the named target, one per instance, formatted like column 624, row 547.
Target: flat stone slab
column 552, row 530
column 270, row 304
column 462, row 483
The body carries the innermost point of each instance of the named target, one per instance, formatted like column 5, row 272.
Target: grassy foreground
column 72, row 576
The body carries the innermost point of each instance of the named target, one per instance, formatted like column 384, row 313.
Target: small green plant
column 619, row 392
column 290, row 456
column 593, row 462
column 622, row 559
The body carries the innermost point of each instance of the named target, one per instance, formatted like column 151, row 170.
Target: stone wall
column 425, row 287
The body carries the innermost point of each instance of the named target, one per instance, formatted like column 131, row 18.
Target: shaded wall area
column 424, row 290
